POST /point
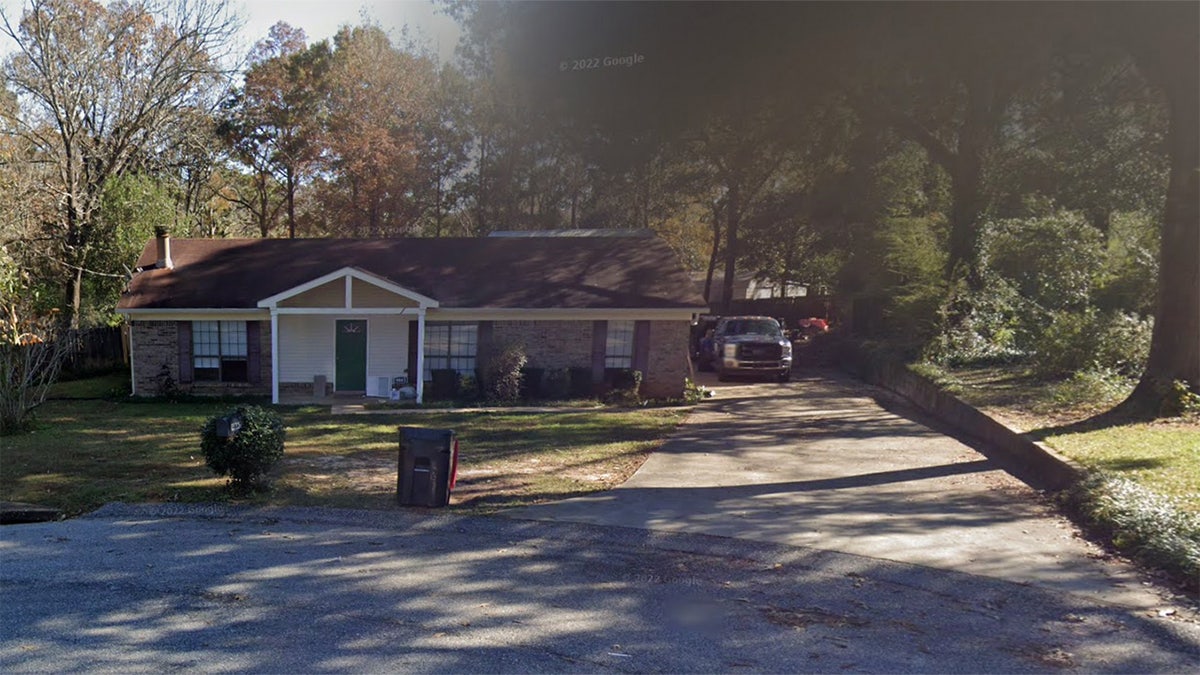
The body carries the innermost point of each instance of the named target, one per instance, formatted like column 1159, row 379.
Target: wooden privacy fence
column 96, row 349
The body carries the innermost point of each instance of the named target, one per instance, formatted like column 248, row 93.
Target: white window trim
column 609, row 354
column 449, row 356
column 220, row 350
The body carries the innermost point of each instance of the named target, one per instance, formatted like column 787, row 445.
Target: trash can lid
column 423, row 434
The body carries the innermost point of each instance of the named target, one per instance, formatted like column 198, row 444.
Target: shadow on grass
column 1117, row 417
column 1129, row 464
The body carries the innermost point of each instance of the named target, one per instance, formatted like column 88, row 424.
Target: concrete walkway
column 820, row 463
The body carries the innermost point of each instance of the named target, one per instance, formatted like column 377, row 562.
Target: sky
column 321, row 19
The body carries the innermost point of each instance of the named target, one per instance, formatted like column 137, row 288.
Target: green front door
column 351, row 354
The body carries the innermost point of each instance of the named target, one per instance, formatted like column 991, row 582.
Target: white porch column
column 132, row 361
column 420, row 374
column 274, row 356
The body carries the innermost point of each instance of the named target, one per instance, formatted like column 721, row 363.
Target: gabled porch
column 348, row 332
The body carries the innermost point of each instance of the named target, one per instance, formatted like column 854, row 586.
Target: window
column 451, row 346
column 219, row 351
column 618, row 345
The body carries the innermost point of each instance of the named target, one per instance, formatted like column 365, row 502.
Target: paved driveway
column 821, row 463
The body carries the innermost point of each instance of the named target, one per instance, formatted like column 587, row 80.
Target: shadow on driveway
column 831, row 463
column 300, row 590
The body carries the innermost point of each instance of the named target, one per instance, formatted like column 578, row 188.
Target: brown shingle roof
column 537, row 272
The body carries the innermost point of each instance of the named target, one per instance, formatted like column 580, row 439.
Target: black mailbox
column 229, row 425
column 427, row 466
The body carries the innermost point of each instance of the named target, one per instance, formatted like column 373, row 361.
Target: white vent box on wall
column 379, row 385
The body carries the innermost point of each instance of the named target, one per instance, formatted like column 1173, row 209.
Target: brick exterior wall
column 156, row 344
column 668, row 365
column 568, row 344
column 548, row 344
column 301, row 389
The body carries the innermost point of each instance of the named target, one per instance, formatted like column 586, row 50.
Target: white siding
column 387, row 345
column 306, row 347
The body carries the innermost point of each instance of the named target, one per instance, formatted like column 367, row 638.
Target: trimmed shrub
column 556, row 385
column 443, row 383
column 626, row 387
column 247, row 456
column 581, row 385
column 695, row 393
column 468, row 387
column 504, row 374
column 164, row 384
column 531, row 382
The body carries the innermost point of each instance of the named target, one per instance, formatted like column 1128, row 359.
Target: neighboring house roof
column 501, row 273
column 716, row 293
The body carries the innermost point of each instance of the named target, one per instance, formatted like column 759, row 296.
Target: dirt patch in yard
column 368, row 479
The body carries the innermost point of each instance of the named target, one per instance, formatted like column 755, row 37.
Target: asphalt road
column 798, row 528
column 162, row 588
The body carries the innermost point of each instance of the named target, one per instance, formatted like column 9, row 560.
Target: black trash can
column 427, row 466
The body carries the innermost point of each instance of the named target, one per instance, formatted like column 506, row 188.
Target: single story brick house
column 282, row 316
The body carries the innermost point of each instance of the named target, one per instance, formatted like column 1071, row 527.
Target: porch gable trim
column 348, row 273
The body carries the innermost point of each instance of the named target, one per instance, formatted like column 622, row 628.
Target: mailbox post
column 427, row 466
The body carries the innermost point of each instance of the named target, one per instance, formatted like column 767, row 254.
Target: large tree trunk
column 74, row 293
column 291, row 204
column 75, row 253
column 714, row 255
column 733, row 214
column 481, row 187
column 264, row 223
column 1175, row 345
column 964, row 221
column 437, row 209
column 966, row 182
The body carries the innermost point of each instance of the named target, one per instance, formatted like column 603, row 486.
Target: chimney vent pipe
column 162, row 240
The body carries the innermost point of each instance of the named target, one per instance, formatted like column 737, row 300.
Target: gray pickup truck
column 751, row 345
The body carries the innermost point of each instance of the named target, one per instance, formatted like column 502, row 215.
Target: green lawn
column 1163, row 455
column 103, row 386
column 84, row 453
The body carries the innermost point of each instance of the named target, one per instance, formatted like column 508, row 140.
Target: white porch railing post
column 274, row 356
column 420, row 374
